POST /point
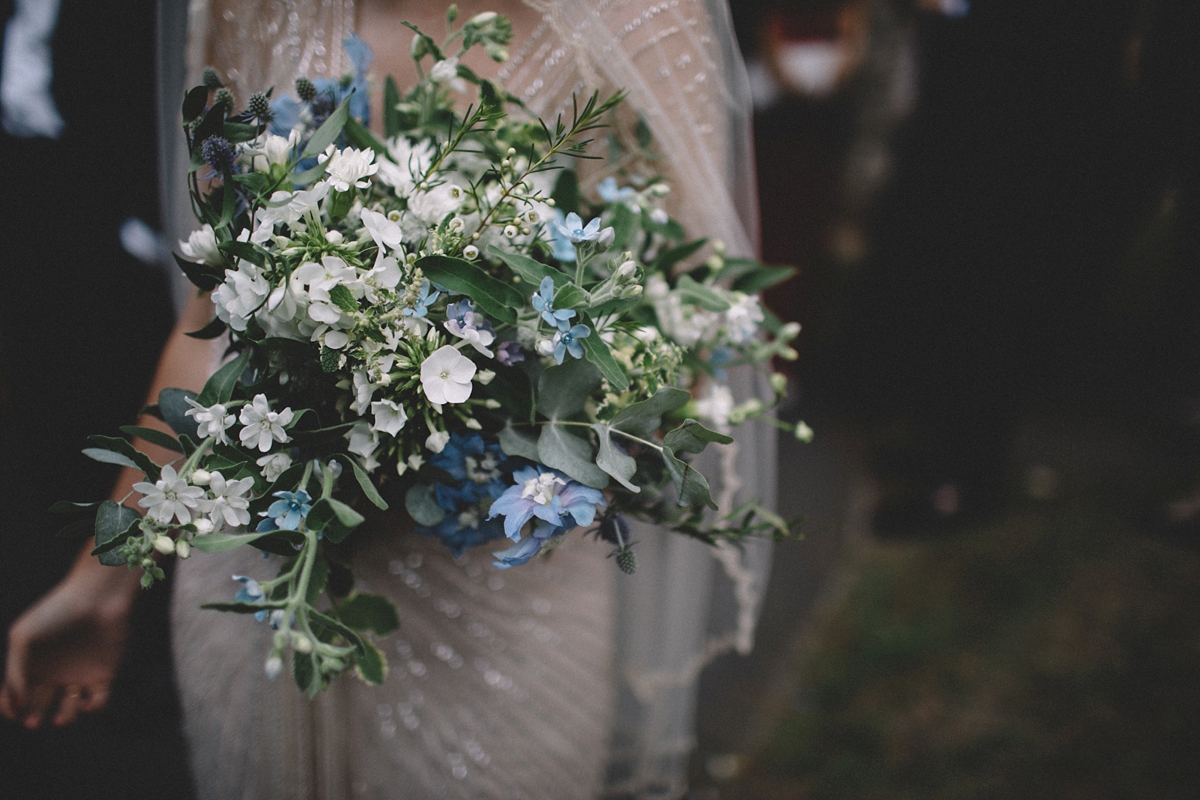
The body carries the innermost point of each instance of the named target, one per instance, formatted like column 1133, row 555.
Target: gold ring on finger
column 74, row 691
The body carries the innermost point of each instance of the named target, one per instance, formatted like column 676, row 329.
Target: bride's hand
column 63, row 652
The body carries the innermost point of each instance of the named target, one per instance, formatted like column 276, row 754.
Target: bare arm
column 63, row 652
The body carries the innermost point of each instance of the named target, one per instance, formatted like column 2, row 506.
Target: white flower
column 437, row 441
column 389, row 416
column 288, row 207
column 262, row 426
column 444, row 71
column 743, row 318
column 227, row 501
column 240, row 295
column 716, row 406
column 272, row 151
column 433, row 206
column 211, row 421
column 363, row 441
column 408, row 163
column 385, row 232
column 803, row 432
column 348, row 167
column 685, row 324
column 446, row 376
column 274, row 465
column 202, row 246
column 363, row 391
column 169, row 497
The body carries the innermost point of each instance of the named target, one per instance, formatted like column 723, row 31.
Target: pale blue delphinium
column 330, row 93
column 610, row 193
column 527, row 548
column 543, row 302
column 560, row 245
column 286, row 513
column 548, row 495
column 567, row 341
column 509, row 353
column 424, row 300
column 574, row 229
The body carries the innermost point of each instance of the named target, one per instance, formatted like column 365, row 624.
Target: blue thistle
column 219, row 154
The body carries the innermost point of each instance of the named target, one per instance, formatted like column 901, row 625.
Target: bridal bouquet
column 445, row 320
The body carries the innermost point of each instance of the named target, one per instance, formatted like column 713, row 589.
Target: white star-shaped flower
column 446, row 376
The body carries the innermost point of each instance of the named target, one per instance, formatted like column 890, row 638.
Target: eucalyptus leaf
column 77, row 528
column 516, row 443
column 564, row 390
column 173, row 405
column 140, row 460
column 763, row 278
column 422, row 507
column 642, row 419
column 329, row 131
column 568, row 453
column 612, row 460
column 670, row 258
column 697, row 293
column 368, row 488
column 222, row 542
column 113, row 525
column 153, row 436
column 66, row 507
column 333, row 519
column 692, row 437
column 493, row 297
column 691, row 485
column 598, row 352
column 105, row 456
column 369, row 612
column 219, row 388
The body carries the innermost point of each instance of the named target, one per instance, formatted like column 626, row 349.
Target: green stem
column 611, row 429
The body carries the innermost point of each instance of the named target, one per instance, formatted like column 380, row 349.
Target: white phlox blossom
column 743, row 318
column 273, row 465
column 385, row 274
column 446, row 376
column 437, row 441
column 389, row 416
column 171, row 497
column 321, row 279
column 385, row 232
column 226, row 501
column 363, row 391
column 201, row 246
column 289, row 208
column 685, row 324
column 432, row 206
column 407, row 165
column 348, row 167
column 363, row 440
column 262, row 426
column 243, row 291
column 272, row 151
column 716, row 406
column 211, row 421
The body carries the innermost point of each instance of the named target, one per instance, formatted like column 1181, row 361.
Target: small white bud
column 545, row 347
column 164, row 544
column 203, row 526
column 334, row 237
column 482, row 18
column 512, row 151
column 506, row 163
column 302, row 643
column 183, row 548
column 626, row 271
column 510, row 231
column 526, row 230
column 485, row 376
column 473, row 424
column 607, row 237
column 491, row 403
column 779, row 382
column 274, row 666
column 803, row 432
column 550, row 202
column 401, row 468
column 201, row 477
column 660, row 190
column 718, row 247
column 416, row 460
column 470, row 252
column 790, row 330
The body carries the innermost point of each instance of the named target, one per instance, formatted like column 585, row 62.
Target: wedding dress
column 560, row 679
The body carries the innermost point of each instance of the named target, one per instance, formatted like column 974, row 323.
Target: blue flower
column 560, row 245
column 567, row 341
column 609, row 193
column 575, row 230
column 330, row 93
column 527, row 548
column 286, row 513
column 250, row 592
column 464, row 530
column 424, row 301
column 509, row 353
column 548, row 495
column 543, row 302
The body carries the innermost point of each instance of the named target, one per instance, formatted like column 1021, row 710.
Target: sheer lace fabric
column 585, row 685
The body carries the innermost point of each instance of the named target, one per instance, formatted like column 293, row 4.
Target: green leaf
column 763, row 278
column 625, row 225
column 78, row 528
column 247, row 251
column 319, row 437
column 329, row 131
column 372, row 666
column 237, row 132
column 532, row 272
column 205, row 277
column 391, row 99
column 154, row 436
column 66, row 507
column 304, row 670
column 563, row 451
column 644, row 136
column 242, row 608
column 219, row 387
column 172, row 404
column 670, row 258
column 117, row 445
column 212, row 330
column 317, row 578
column 493, row 297
column 516, row 443
column 194, row 102
column 222, row 542
column 336, row 627
column 421, row 506
column 597, row 352
column 691, row 437
column 333, row 518
column 363, row 139
column 369, row 612
column 610, row 458
column 566, row 194
column 368, row 488
column 563, row 390
column 692, row 292
column 691, row 485
column 642, row 419
column 109, row 457
column 572, row 296
column 113, row 525
column 343, row 299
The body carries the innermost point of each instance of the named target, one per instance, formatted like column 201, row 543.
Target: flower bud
column 482, row 18
column 626, row 271
column 334, row 237
column 147, row 563
column 607, row 237
column 470, row 252
column 491, row 403
column 210, row 78
column 485, row 376
column 416, row 460
column 803, row 432
column 183, row 548
column 545, row 347
column 473, row 424
column 510, row 231
column 164, row 544
column 418, row 49
column 200, row 477
column 306, row 90
column 779, row 383
column 203, row 526
column 302, row 643
column 274, row 666
column 512, row 151
column 629, row 292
